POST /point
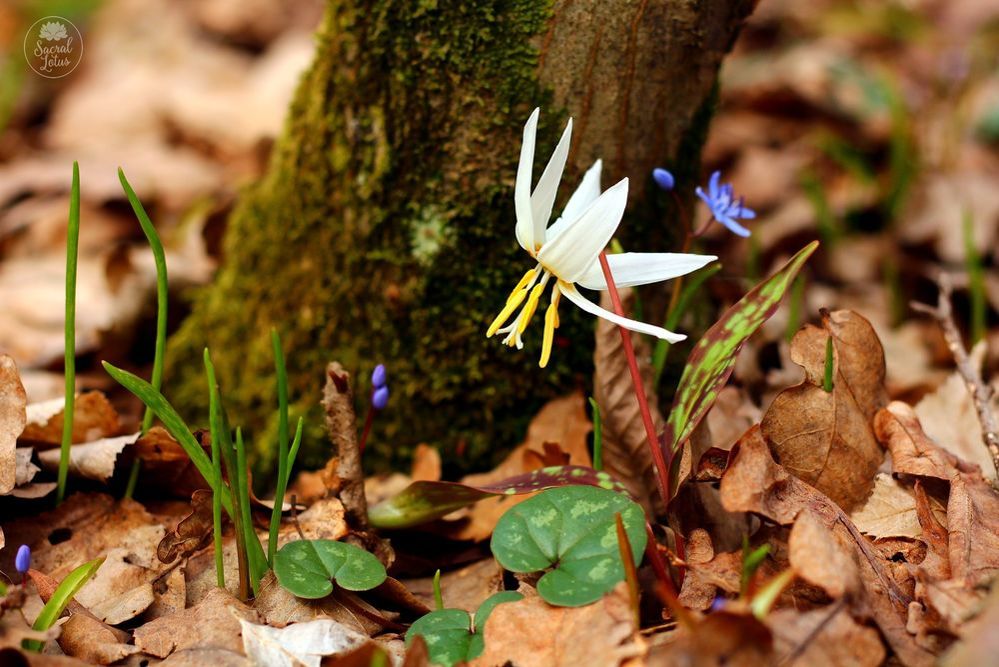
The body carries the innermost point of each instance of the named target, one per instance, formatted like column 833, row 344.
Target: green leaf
column 63, row 593
column 448, row 632
column 306, row 568
column 573, row 530
column 425, row 501
column 713, row 358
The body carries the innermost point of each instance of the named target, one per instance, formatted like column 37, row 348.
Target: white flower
column 52, row 31
column 567, row 252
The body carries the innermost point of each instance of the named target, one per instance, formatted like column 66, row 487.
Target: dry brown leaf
column 212, row 623
column 93, row 418
column 973, row 529
column 170, row 595
column 818, row 557
column 824, row 637
column 90, row 460
column 890, row 511
column 824, row 438
column 755, row 483
column 192, row 532
column 119, row 590
column 912, row 452
column 720, row 638
column 13, row 401
column 708, row 572
column 279, row 608
column 199, row 657
column 980, row 642
column 532, row 633
column 464, row 588
column 298, row 645
column 426, row 464
column 88, row 639
column 625, row 445
column 26, row 470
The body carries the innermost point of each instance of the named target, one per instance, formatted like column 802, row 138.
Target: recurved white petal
column 574, row 249
column 543, row 198
column 522, row 189
column 642, row 268
column 573, row 295
column 585, row 194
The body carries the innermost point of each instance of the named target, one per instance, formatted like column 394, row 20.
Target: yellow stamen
column 551, row 323
column 532, row 305
column 522, row 284
column 511, row 305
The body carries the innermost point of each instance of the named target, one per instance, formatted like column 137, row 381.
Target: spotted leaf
column 449, row 634
column 572, row 530
column 307, row 568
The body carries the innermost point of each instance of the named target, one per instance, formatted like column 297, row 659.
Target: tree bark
column 383, row 229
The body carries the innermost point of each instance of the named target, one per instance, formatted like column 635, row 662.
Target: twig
column 341, row 422
column 980, row 392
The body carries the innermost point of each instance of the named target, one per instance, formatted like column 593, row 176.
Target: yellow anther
column 521, row 285
column 551, row 323
column 511, row 305
column 532, row 305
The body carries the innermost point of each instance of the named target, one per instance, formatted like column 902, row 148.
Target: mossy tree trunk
column 383, row 229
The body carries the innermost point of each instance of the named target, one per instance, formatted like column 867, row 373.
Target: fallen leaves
column 215, row 623
column 298, row 645
column 13, row 401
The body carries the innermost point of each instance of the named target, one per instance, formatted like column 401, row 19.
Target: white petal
column 544, row 194
column 573, row 295
column 522, row 190
column 571, row 253
column 642, row 268
column 581, row 199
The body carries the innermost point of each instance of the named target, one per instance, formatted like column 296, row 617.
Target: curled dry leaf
column 90, row 460
column 890, row 511
column 912, row 452
column 980, row 643
column 13, row 401
column 708, row 572
column 212, row 623
column 825, row 438
column 93, row 418
column 86, row 638
column 625, row 445
column 818, row 557
column 279, row 608
column 973, row 529
column 119, row 590
column 720, row 638
column 192, row 532
column 532, row 633
column 755, row 483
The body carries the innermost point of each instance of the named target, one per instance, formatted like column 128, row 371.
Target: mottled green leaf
column 306, row 567
column 425, row 501
column 449, row 634
column 713, row 358
column 571, row 529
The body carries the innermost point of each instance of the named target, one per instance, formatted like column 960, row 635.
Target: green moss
column 383, row 232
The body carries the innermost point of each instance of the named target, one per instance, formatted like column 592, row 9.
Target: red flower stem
column 666, row 589
column 366, row 430
column 662, row 471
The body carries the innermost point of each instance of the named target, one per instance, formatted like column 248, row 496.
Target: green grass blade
column 598, row 437
column 283, row 471
column 217, row 513
column 827, row 379
column 173, row 423
column 61, row 597
column 72, row 255
column 293, row 454
column 258, row 566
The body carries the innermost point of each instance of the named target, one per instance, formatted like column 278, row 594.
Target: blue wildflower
column 380, row 398
column 663, row 178
column 22, row 561
column 724, row 207
column 379, row 376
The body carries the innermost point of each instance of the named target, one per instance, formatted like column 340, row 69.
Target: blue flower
column 22, row 561
column 379, row 376
column 380, row 398
column 724, row 207
column 663, row 178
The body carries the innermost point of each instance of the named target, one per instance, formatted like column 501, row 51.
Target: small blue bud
column 379, row 376
column 22, row 561
column 663, row 178
column 380, row 398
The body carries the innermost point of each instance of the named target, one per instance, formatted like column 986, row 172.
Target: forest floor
column 836, row 504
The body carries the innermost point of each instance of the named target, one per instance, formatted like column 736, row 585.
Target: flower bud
column 379, row 376
column 663, row 178
column 380, row 398
column 22, row 561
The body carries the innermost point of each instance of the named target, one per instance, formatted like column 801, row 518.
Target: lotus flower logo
column 53, row 46
column 52, row 31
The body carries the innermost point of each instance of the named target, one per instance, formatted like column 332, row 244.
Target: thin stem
column 368, row 419
column 162, row 299
column 282, row 481
column 630, row 573
column 662, row 471
column 256, row 569
column 72, row 253
column 598, row 437
column 666, row 589
column 217, row 512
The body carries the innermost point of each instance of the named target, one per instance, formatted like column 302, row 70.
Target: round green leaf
column 306, row 568
column 572, row 529
column 448, row 632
